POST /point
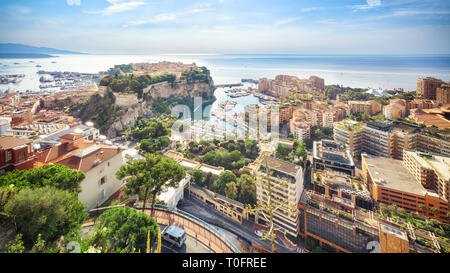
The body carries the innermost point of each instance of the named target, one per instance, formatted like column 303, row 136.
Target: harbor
column 14, row 78
column 66, row 81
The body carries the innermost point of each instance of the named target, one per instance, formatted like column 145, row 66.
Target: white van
column 174, row 235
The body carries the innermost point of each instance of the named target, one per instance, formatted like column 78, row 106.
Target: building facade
column 15, row 154
column 286, row 183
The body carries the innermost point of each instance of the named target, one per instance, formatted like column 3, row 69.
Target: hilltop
column 128, row 92
column 9, row 50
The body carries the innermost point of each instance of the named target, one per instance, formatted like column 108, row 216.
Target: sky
column 230, row 26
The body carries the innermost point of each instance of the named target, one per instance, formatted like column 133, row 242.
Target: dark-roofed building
column 15, row 154
column 330, row 154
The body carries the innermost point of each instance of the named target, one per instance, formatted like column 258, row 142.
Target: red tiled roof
column 7, row 142
column 90, row 160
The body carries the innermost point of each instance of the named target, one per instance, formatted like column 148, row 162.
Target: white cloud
column 408, row 12
column 308, row 9
column 286, row 21
column 166, row 17
column 370, row 5
column 118, row 6
column 73, row 2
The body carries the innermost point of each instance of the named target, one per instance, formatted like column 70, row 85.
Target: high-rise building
column 443, row 94
column 286, row 181
column 350, row 133
column 427, row 87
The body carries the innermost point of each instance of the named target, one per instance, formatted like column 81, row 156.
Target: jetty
column 230, row 85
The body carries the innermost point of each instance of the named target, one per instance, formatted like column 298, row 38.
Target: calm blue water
column 379, row 71
column 363, row 71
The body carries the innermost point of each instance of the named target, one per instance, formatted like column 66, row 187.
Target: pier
column 230, row 85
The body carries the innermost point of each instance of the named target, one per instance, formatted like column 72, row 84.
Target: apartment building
column 427, row 87
column 365, row 107
column 443, row 94
column 350, row 133
column 328, row 118
column 391, row 183
column 99, row 162
column 435, row 144
column 397, row 108
column 301, row 132
column 389, row 139
column 286, row 182
column 317, row 82
column 329, row 154
column 432, row 171
column 15, row 154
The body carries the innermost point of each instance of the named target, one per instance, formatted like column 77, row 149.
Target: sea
column 358, row 71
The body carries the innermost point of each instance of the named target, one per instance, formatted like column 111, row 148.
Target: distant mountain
column 24, row 56
column 26, row 49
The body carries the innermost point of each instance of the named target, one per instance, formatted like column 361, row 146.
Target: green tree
column 231, row 190
column 225, row 178
column 15, row 245
column 47, row 211
column 150, row 176
column 197, row 177
column 123, row 230
column 54, row 175
column 247, row 190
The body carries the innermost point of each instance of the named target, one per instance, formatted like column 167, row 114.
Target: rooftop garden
column 350, row 127
column 231, row 155
column 401, row 217
column 433, row 131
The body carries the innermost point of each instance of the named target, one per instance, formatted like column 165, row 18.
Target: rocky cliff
column 113, row 112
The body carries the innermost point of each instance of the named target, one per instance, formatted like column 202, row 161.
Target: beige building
column 443, row 94
column 350, row 133
column 229, row 207
column 390, row 182
column 365, row 107
column 99, row 162
column 427, row 87
column 432, row 171
column 286, row 181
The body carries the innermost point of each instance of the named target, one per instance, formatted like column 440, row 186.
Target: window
column 8, row 156
column 103, row 180
column 21, row 155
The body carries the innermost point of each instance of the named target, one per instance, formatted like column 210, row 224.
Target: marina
column 67, row 81
column 14, row 78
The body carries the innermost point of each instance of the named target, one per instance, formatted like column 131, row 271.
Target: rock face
column 128, row 119
column 180, row 88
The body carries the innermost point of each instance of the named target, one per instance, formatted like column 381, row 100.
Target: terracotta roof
column 7, row 142
column 71, row 136
column 58, row 152
column 91, row 160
